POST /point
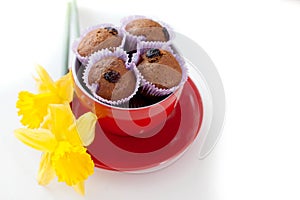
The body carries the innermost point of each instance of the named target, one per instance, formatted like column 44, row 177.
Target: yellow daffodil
column 61, row 138
column 33, row 107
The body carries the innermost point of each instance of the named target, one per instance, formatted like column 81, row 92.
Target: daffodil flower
column 33, row 107
column 62, row 138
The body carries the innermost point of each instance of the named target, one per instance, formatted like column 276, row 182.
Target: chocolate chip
column 151, row 53
column 112, row 76
column 112, row 30
column 166, row 33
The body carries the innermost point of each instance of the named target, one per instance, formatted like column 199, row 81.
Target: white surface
column 255, row 46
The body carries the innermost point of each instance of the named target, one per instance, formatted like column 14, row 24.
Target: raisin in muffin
column 160, row 68
column 114, row 81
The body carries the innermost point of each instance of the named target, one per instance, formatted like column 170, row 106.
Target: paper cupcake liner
column 84, row 59
column 95, row 57
column 147, row 86
column 132, row 40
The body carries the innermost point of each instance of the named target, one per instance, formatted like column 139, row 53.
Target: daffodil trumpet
column 60, row 140
column 33, row 107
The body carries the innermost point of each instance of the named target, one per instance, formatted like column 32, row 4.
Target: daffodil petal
column 44, row 81
column 86, row 127
column 46, row 124
column 61, row 118
column 65, row 87
column 39, row 139
column 79, row 188
column 72, row 135
column 46, row 172
column 72, row 164
column 33, row 107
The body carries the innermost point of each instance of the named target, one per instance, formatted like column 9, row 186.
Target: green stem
column 76, row 19
column 67, row 39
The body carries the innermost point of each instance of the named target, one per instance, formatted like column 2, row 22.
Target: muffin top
column 98, row 39
column 152, row 30
column 114, row 81
column 160, row 68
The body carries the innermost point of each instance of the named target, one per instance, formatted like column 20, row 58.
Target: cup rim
column 78, row 84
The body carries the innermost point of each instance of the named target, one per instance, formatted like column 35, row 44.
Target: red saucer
column 126, row 153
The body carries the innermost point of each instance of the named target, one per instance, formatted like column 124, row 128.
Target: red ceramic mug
column 139, row 122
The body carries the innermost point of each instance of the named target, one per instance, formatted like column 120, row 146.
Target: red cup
column 139, row 122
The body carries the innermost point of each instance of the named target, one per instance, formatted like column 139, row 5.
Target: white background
column 255, row 46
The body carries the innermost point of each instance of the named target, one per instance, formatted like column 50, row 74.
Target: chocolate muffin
column 160, row 68
column 98, row 39
column 114, row 81
column 152, row 30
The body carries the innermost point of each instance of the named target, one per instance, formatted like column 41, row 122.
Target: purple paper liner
column 148, row 87
column 132, row 40
column 84, row 59
column 95, row 57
